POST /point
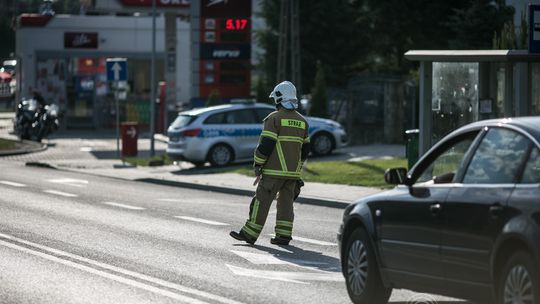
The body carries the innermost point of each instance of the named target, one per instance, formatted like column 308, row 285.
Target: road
column 72, row 238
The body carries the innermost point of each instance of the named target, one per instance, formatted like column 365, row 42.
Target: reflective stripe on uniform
column 284, row 223
column 306, row 140
column 283, row 232
column 254, row 212
column 281, row 173
column 270, row 134
column 258, row 160
column 281, row 156
column 250, row 232
column 255, row 227
column 295, row 139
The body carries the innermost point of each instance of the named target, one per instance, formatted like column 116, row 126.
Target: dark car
column 463, row 222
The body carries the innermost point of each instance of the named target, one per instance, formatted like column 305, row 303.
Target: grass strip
column 367, row 173
column 6, row 144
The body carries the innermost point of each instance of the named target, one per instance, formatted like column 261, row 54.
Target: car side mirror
column 396, row 176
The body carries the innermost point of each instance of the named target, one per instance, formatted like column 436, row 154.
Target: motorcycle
column 33, row 122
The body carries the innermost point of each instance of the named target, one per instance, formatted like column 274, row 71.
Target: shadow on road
column 111, row 154
column 431, row 302
column 301, row 257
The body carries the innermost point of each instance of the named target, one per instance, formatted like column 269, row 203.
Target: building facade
column 63, row 57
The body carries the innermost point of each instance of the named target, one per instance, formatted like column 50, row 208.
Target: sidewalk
column 329, row 195
column 185, row 175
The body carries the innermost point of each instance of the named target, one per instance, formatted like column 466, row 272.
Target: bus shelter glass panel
column 454, row 96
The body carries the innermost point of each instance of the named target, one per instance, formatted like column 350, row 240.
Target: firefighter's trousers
column 266, row 191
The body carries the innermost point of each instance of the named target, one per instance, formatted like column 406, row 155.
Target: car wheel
column 520, row 281
column 220, row 155
column 362, row 276
column 322, row 144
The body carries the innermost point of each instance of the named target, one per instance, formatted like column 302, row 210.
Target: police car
column 226, row 133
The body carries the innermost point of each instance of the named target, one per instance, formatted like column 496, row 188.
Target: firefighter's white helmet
column 285, row 94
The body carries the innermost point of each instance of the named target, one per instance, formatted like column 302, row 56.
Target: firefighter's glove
column 257, row 170
column 297, row 188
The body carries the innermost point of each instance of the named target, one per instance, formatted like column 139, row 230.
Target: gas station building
column 201, row 48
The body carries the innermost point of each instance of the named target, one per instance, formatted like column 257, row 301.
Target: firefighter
column 283, row 147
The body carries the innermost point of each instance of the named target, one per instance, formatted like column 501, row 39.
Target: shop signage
column 77, row 40
column 160, row 3
column 534, row 28
column 225, row 8
column 215, row 51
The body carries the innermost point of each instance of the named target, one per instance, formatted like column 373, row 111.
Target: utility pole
column 153, row 80
column 289, row 44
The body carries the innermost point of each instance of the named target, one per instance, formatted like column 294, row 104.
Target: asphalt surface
column 74, row 238
column 69, row 237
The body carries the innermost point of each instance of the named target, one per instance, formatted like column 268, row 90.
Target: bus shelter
column 460, row 87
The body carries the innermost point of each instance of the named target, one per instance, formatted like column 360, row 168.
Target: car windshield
column 182, row 121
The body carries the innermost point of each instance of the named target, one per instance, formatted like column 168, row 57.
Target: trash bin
column 412, row 146
column 130, row 136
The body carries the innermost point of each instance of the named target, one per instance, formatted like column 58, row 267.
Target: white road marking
column 123, row 206
column 270, row 259
column 311, row 241
column 172, row 200
column 86, row 149
column 199, row 220
column 60, row 193
column 13, row 184
column 286, row 276
column 70, row 182
column 55, row 255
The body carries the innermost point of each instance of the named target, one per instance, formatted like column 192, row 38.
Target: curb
column 37, row 148
column 227, row 190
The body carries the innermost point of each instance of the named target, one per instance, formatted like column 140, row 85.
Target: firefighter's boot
column 241, row 236
column 278, row 240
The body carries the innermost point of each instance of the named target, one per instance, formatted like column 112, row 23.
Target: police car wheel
column 322, row 144
column 220, row 155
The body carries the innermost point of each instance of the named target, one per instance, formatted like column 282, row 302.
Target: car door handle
column 496, row 209
column 435, row 209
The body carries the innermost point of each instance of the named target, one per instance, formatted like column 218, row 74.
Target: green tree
column 327, row 32
column 524, row 31
column 7, row 47
column 261, row 90
column 396, row 26
column 319, row 98
column 506, row 39
column 213, row 99
column 474, row 25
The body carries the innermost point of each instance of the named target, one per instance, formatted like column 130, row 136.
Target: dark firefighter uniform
column 282, row 149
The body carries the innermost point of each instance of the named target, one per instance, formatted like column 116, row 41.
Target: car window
column 263, row 112
column 182, row 121
column 445, row 166
column 531, row 174
column 215, row 119
column 498, row 158
column 241, row 117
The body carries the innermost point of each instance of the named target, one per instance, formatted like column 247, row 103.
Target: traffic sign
column 116, row 69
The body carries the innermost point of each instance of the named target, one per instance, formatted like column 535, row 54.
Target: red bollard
column 130, row 135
